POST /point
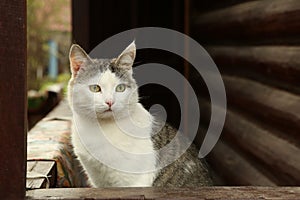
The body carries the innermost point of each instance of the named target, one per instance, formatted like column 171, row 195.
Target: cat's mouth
column 108, row 110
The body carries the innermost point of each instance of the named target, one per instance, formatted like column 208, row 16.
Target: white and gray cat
column 108, row 90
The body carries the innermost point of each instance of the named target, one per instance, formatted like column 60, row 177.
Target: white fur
column 103, row 176
column 127, row 109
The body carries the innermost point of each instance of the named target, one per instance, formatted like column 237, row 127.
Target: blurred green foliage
column 40, row 15
column 61, row 79
column 36, row 102
column 37, row 98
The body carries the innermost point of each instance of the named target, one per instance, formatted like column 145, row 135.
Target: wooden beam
column 13, row 98
column 255, row 143
column 234, row 168
column 273, row 155
column 163, row 193
column 280, row 157
column 254, row 21
column 208, row 5
column 275, row 65
column 269, row 106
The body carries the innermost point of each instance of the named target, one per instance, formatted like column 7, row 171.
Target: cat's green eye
column 95, row 88
column 121, row 88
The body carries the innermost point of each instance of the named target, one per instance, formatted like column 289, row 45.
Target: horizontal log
column 275, row 65
column 279, row 156
column 252, row 21
column 234, row 168
column 274, row 156
column 163, row 193
column 269, row 106
column 208, row 5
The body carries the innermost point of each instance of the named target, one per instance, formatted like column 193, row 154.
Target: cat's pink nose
column 109, row 103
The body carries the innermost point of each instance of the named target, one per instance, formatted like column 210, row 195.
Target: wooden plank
column 275, row 156
column 36, row 170
column 209, row 5
column 254, row 21
column 270, row 106
column 235, row 168
column 163, row 193
column 230, row 166
column 279, row 156
column 275, row 65
column 13, row 98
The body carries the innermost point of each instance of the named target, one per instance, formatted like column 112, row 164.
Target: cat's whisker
column 138, row 62
column 144, row 97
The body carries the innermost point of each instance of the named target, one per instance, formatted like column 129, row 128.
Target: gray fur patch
column 187, row 171
column 97, row 66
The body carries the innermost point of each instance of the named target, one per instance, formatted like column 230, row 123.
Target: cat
column 108, row 91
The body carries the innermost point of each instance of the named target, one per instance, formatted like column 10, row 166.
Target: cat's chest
column 125, row 136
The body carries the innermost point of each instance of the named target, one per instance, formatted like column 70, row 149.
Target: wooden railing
column 165, row 193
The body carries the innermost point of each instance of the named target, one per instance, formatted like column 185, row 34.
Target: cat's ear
column 78, row 58
column 126, row 58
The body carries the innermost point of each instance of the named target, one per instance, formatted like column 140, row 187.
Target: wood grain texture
column 246, row 151
column 209, row 5
column 175, row 193
column 271, row 155
column 269, row 106
column 39, row 168
column 235, row 168
column 255, row 44
column 273, row 65
column 254, row 20
column 280, row 157
column 13, row 97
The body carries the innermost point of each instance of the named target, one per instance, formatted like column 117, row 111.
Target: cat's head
column 104, row 87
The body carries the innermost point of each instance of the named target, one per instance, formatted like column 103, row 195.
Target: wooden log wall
column 256, row 46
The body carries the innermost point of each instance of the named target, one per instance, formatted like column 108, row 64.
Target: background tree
column 44, row 22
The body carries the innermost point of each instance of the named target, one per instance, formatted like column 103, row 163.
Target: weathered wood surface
column 275, row 157
column 269, row 106
column 208, row 5
column 254, row 20
column 235, row 168
column 273, row 65
column 279, row 158
column 255, row 44
column 13, row 98
column 262, row 127
column 40, row 168
column 162, row 193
